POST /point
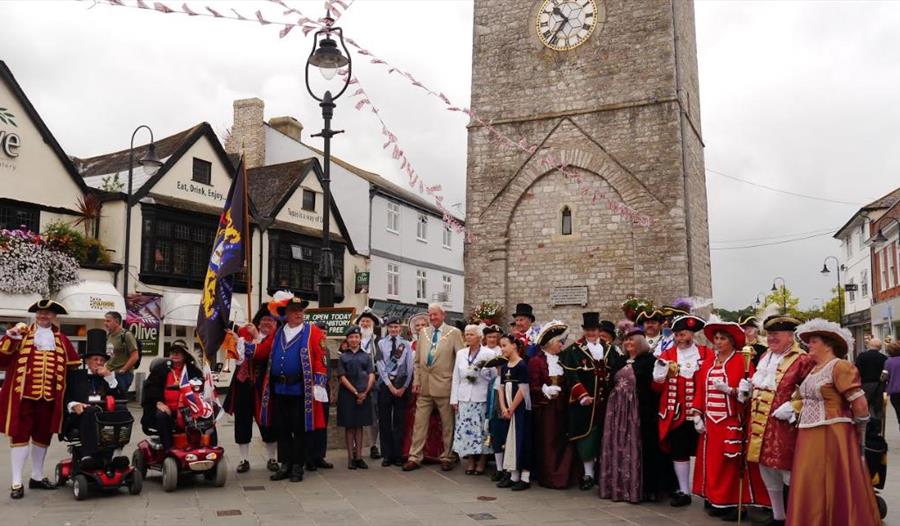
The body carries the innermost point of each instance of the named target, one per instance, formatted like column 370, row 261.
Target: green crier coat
column 586, row 377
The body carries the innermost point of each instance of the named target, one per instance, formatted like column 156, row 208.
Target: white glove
column 550, row 391
column 722, row 386
column 698, row 424
column 320, row 394
column 785, row 412
column 585, row 400
column 745, row 388
column 660, row 370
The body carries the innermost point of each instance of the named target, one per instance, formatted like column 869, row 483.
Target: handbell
column 748, row 352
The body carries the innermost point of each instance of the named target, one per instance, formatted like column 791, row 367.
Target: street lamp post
column 783, row 293
column 881, row 238
column 840, row 294
column 326, row 56
column 759, row 301
column 151, row 164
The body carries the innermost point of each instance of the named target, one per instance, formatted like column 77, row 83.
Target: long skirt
column 434, row 441
column 830, row 484
column 620, row 464
column 470, row 433
column 717, row 469
column 556, row 462
column 519, row 447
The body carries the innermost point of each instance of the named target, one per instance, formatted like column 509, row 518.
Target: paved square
column 378, row 496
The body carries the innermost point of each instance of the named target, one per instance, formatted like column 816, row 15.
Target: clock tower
column 585, row 179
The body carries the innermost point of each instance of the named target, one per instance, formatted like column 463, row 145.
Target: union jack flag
column 199, row 407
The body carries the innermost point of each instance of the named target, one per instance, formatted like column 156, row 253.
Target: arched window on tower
column 566, row 221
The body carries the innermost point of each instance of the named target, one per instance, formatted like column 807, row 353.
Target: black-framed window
column 566, row 221
column 294, row 264
column 202, row 171
column 175, row 247
column 309, row 200
column 15, row 215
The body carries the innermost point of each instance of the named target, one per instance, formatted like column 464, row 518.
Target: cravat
column 434, row 340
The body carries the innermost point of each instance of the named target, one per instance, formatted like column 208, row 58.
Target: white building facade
column 856, row 268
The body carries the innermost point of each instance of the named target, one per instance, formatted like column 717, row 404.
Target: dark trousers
column 290, row 429
column 895, row 401
column 391, row 420
column 318, row 439
column 244, row 415
column 683, row 441
column 165, row 426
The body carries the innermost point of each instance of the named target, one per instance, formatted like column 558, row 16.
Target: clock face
column 566, row 24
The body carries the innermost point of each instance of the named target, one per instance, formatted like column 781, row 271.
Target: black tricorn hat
column 654, row 315
column 524, row 309
column 749, row 321
column 367, row 313
column 688, row 323
column 96, row 344
column 49, row 305
column 590, row 320
column 781, row 322
column 262, row 313
column 608, row 327
column 296, row 301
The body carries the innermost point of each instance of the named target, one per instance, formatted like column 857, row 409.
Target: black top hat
column 49, row 305
column 590, row 320
column 294, row 302
column 688, row 323
column 608, row 327
column 524, row 309
column 96, row 344
column 781, row 322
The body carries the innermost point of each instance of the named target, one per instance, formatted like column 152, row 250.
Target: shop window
column 202, row 171
column 566, row 221
column 294, row 261
column 309, row 200
column 15, row 215
column 176, row 246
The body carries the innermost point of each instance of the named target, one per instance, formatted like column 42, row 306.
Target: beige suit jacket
column 436, row 380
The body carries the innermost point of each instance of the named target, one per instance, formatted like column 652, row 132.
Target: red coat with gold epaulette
column 677, row 394
column 34, row 375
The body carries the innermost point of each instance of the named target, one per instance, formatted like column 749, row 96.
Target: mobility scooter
column 192, row 451
column 101, row 471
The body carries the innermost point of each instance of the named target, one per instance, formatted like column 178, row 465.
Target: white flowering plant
column 28, row 265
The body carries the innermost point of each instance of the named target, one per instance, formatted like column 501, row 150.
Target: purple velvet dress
column 620, row 464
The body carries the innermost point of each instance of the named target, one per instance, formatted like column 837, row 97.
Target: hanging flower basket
column 29, row 266
column 487, row 312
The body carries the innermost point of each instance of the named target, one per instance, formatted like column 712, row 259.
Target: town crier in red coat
column 36, row 359
column 720, row 416
column 674, row 376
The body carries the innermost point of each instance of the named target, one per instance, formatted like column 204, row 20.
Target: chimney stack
column 248, row 133
column 288, row 126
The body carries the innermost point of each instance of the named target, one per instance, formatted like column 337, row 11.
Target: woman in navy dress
column 354, row 405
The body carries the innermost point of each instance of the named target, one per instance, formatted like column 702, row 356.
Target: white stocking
column 498, row 458
column 244, row 449
column 514, row 475
column 272, row 449
column 37, row 461
column 683, row 472
column 526, row 476
column 589, row 468
column 774, row 482
column 17, row 456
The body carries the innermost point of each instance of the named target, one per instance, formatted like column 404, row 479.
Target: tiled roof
column 269, row 185
column 115, row 162
column 886, row 201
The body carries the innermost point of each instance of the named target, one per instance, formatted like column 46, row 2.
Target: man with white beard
column 368, row 324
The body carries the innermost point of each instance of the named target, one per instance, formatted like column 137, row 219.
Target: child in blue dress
column 515, row 407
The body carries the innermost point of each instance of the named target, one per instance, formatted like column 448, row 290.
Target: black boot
column 297, row 473
column 284, row 471
column 680, row 499
column 730, row 514
column 498, row 475
column 586, row 483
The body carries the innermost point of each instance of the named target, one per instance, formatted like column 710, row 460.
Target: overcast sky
column 798, row 96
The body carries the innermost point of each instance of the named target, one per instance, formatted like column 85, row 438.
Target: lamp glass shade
column 825, row 269
column 880, row 237
column 151, row 162
column 328, row 58
column 774, row 288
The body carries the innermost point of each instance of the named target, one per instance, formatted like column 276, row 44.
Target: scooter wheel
column 80, row 487
column 139, row 462
column 882, row 506
column 137, row 483
column 169, row 474
column 60, row 479
column 221, row 473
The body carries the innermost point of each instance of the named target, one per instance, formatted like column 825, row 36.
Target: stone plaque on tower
column 602, row 182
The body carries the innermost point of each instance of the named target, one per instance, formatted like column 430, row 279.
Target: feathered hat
column 840, row 336
column 550, row 331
